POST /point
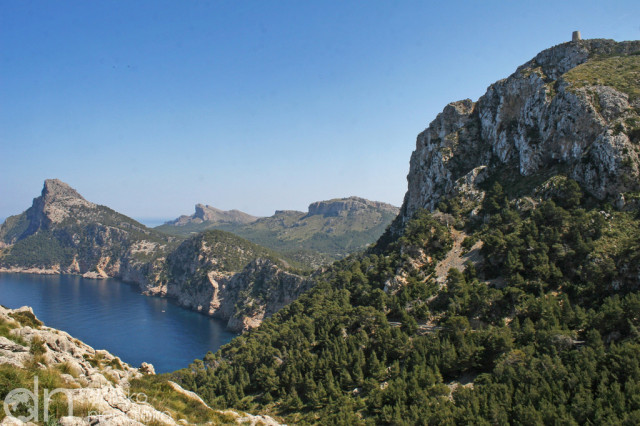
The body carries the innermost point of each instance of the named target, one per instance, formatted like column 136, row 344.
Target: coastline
column 235, row 326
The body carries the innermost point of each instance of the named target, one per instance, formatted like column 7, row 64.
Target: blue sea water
column 112, row 315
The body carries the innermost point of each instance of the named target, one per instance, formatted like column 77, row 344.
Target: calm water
column 109, row 314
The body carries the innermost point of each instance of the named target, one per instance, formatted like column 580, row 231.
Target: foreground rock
column 97, row 382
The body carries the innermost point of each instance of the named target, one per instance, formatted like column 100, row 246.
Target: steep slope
column 91, row 386
column 328, row 231
column 540, row 327
column 220, row 274
column 573, row 109
column 64, row 233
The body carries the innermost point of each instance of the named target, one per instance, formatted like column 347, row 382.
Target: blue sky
column 152, row 106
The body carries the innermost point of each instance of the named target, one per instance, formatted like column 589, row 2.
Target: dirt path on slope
column 455, row 258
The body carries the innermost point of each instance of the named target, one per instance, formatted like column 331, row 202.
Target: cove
column 110, row 314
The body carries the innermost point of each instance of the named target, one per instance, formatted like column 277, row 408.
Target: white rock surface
column 531, row 121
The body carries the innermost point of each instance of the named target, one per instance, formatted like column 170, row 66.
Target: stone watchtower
column 576, row 36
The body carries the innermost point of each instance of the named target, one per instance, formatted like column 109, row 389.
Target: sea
column 111, row 314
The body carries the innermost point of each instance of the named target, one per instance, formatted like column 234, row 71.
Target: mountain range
column 211, row 271
column 328, row 231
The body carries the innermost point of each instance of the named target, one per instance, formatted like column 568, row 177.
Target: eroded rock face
column 530, row 122
column 54, row 205
column 242, row 298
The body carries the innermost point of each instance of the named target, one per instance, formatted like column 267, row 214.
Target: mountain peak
column 561, row 58
column 55, row 189
column 57, row 201
column 573, row 109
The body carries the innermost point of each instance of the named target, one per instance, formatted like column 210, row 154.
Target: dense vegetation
column 544, row 331
column 230, row 253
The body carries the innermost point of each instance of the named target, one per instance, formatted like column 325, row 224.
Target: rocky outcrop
column 260, row 290
column 550, row 114
column 91, row 378
column 224, row 276
column 348, row 206
column 212, row 215
column 96, row 383
column 56, row 203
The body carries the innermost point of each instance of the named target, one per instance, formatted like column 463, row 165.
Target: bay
column 110, row 314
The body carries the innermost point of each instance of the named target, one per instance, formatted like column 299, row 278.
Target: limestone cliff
column 349, row 206
column 222, row 275
column 574, row 109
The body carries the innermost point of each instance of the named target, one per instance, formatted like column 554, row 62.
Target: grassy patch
column 157, row 392
column 115, row 363
column 620, row 72
column 26, row 319
column 619, row 234
column 37, row 347
column 67, row 368
column 96, row 361
column 5, row 331
column 13, row 378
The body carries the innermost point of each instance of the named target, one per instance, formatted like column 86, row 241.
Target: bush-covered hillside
column 329, row 231
column 544, row 331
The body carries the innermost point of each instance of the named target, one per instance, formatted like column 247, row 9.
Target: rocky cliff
column 224, row 276
column 349, row 206
column 574, row 109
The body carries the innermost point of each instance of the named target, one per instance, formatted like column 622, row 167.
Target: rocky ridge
column 348, row 206
column 547, row 117
column 330, row 230
column 205, row 213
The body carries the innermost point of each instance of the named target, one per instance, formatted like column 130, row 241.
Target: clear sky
column 152, row 106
